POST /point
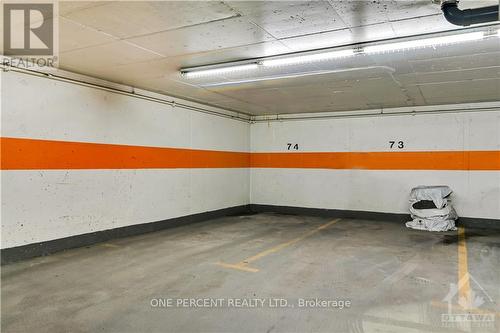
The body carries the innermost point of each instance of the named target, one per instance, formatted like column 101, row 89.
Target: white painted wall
column 476, row 193
column 43, row 205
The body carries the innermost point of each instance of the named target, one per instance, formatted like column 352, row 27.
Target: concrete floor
column 396, row 279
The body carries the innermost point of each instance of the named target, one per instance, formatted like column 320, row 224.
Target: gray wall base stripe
column 333, row 213
column 469, row 222
column 14, row 254
column 473, row 222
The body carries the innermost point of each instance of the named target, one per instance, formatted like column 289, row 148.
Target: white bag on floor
column 431, row 225
column 445, row 213
column 439, row 218
column 436, row 194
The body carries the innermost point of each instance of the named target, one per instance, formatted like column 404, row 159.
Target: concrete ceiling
column 144, row 44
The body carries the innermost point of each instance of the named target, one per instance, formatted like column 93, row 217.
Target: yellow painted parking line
column 110, row 245
column 464, row 291
column 238, row 267
column 243, row 265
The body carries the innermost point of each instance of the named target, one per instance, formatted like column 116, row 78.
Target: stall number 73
column 398, row 144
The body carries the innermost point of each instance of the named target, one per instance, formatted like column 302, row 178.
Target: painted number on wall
column 292, row 146
column 396, row 144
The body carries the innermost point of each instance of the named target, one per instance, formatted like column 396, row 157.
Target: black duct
column 466, row 17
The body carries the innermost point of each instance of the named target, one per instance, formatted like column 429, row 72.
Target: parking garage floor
column 263, row 273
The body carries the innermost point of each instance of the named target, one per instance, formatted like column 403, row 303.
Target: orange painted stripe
column 31, row 154
column 424, row 160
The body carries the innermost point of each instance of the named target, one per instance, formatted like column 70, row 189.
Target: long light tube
column 307, row 58
column 334, row 54
column 419, row 43
column 218, row 71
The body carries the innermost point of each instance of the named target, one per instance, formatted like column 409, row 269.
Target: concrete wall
column 77, row 159
column 41, row 205
column 476, row 192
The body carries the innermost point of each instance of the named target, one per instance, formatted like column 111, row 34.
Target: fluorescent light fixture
column 307, row 58
column 294, row 75
column 418, row 43
column 218, row 71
